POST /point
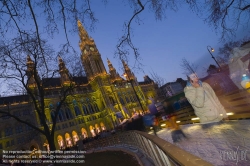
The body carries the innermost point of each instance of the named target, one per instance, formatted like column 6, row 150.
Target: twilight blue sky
column 162, row 44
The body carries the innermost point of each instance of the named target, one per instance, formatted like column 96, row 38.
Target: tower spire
column 127, row 71
column 84, row 37
column 91, row 58
column 63, row 72
column 31, row 72
column 113, row 74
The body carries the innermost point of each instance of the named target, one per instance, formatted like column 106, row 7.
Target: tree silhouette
column 24, row 70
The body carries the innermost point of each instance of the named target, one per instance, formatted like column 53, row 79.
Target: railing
column 185, row 115
column 236, row 103
column 160, row 152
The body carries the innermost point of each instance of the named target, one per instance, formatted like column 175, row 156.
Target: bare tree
column 27, row 73
column 227, row 16
column 31, row 21
column 45, row 17
column 226, row 50
column 188, row 67
column 160, row 81
column 224, row 16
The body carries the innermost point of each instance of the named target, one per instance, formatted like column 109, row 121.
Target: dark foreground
column 108, row 158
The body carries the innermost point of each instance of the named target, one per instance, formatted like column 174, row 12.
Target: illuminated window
column 61, row 115
column 90, row 108
column 85, row 110
column 68, row 114
column 77, row 110
column 96, row 108
column 127, row 100
column 121, row 100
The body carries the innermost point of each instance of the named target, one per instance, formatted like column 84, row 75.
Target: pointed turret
column 91, row 58
column 64, row 72
column 129, row 75
column 85, row 40
column 30, row 72
column 113, row 74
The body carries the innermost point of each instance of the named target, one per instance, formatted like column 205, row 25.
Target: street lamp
column 138, row 99
column 210, row 49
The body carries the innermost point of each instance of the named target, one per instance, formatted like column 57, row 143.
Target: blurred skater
column 177, row 134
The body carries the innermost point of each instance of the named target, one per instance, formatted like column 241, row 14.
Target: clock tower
column 90, row 56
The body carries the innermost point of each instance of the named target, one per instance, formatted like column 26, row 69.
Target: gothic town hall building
column 100, row 103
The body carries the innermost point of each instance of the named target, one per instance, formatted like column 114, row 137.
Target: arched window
column 68, row 114
column 85, row 110
column 96, row 107
column 131, row 99
column 51, row 106
column 135, row 99
column 77, row 110
column 121, row 100
column 127, row 100
column 52, row 114
column 60, row 115
column 90, row 108
column 19, row 129
column 8, row 131
column 74, row 102
column 111, row 100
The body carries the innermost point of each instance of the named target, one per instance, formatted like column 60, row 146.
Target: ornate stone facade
column 92, row 107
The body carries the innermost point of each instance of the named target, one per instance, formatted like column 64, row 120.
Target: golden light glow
column 163, row 124
column 212, row 49
column 151, row 128
column 197, row 118
column 230, row 113
column 178, row 121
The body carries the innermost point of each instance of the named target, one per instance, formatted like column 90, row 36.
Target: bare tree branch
column 160, row 81
column 187, row 67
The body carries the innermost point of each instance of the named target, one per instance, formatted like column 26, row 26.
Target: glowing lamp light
column 178, row 121
column 195, row 118
column 230, row 113
column 163, row 125
column 245, row 82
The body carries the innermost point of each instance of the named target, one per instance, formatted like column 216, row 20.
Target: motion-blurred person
column 155, row 125
column 177, row 134
column 149, row 121
column 204, row 100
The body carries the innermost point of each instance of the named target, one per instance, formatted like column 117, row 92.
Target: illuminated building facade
column 95, row 104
